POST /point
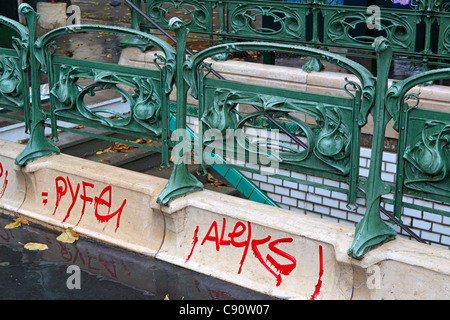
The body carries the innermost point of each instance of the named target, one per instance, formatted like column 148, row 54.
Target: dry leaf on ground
column 68, row 236
column 18, row 222
column 215, row 182
column 121, row 147
column 35, row 246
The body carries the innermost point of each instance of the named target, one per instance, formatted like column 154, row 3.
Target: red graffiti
column 104, row 199
column 5, row 181
column 275, row 268
column 45, row 200
column 194, row 242
column 107, row 203
column 319, row 282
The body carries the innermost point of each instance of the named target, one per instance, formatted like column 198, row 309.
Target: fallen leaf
column 215, row 182
column 68, row 236
column 35, row 246
column 18, row 222
column 109, row 56
column 166, row 297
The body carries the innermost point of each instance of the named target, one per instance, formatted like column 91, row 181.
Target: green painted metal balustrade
column 423, row 153
column 418, row 32
column 331, row 143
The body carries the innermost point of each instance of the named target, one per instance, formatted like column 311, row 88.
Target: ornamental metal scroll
column 341, row 28
column 197, row 15
column 332, row 142
column 290, row 21
column 328, row 142
column 367, row 80
column 147, row 94
column 318, row 23
column 14, row 89
column 424, row 143
column 427, row 160
column 146, row 100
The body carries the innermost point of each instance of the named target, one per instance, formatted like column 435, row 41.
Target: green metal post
column 38, row 145
column 136, row 20
column 314, row 64
column 372, row 230
column 181, row 181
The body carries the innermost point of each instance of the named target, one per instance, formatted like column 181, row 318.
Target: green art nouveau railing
column 423, row 147
column 14, row 67
column 147, row 94
column 331, row 141
column 418, row 32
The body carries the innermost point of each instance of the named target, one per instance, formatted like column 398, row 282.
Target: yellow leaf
column 18, row 222
column 35, row 246
column 166, row 297
column 68, row 236
column 109, row 56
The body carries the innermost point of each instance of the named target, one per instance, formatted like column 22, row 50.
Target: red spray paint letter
column 319, row 282
column 74, row 198
column 60, row 191
column 100, row 201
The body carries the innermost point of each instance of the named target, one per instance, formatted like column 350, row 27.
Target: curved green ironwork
column 14, row 90
column 333, row 144
column 365, row 77
column 148, row 100
column 317, row 23
column 423, row 155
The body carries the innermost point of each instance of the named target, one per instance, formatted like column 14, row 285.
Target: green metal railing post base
column 313, row 64
column 370, row 233
column 38, row 146
column 181, row 182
